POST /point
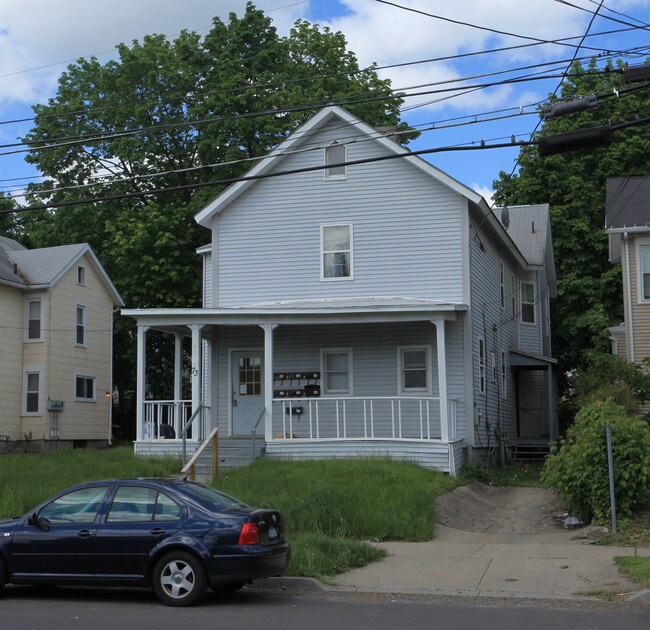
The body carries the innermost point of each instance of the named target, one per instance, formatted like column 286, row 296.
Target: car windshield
column 211, row 497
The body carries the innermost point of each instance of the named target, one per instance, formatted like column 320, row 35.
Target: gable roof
column 628, row 204
column 302, row 134
column 44, row 267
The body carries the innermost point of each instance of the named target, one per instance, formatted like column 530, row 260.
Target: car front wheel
column 179, row 579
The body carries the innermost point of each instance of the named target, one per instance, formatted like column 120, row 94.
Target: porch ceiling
column 529, row 361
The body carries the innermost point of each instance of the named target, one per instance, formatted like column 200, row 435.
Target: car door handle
column 84, row 533
column 157, row 531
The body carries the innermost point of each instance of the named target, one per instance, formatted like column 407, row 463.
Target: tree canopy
column 574, row 184
column 173, row 107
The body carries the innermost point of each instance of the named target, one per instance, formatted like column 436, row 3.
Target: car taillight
column 249, row 535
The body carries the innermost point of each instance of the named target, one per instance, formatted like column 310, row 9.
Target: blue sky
column 39, row 37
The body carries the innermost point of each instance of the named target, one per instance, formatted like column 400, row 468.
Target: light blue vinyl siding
column 407, row 231
column 498, row 328
column 375, row 357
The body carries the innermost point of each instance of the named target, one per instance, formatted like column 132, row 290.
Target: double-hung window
column 337, row 371
column 84, row 387
column 527, row 303
column 80, row 328
column 34, row 319
column 335, row 155
column 644, row 273
column 481, row 365
column 414, row 368
column 81, row 275
column 336, row 251
column 32, row 389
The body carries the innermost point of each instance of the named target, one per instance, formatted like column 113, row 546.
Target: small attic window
column 81, row 275
column 335, row 153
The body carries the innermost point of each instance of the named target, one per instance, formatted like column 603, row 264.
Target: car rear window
column 211, row 497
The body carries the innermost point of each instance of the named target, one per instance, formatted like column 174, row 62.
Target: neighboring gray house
column 359, row 301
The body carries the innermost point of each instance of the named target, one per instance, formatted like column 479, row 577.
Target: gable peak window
column 81, row 275
column 335, row 157
column 336, row 251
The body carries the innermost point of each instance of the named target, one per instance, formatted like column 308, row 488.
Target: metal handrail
column 186, row 426
column 254, row 431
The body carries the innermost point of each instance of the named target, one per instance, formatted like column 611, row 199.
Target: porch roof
column 530, row 361
column 330, row 311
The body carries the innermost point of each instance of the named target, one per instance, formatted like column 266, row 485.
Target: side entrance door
column 247, row 399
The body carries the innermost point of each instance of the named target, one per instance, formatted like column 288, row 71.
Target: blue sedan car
column 177, row 536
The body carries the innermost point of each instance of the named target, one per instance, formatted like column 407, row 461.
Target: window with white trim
column 644, row 272
column 337, row 371
column 527, row 303
column 414, row 369
column 481, row 365
column 493, row 358
column 35, row 319
column 336, row 251
column 502, row 285
column 81, row 275
column 32, row 392
column 84, row 387
column 335, row 153
column 504, row 376
column 80, row 328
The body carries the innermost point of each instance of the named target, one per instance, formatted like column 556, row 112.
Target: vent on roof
column 505, row 217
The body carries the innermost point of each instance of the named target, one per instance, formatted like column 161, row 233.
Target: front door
column 247, row 399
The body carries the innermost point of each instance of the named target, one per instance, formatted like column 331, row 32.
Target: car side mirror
column 37, row 521
column 33, row 519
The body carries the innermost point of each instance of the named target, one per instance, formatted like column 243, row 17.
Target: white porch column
column 141, row 379
column 178, row 383
column 442, row 378
column 268, row 380
column 197, row 370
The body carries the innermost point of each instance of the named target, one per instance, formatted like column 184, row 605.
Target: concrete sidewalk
column 550, row 566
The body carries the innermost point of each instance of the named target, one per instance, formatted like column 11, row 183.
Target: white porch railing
column 173, row 412
column 354, row 418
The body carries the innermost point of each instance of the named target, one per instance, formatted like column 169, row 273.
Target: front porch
column 236, row 386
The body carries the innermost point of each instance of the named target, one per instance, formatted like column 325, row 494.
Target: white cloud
column 485, row 192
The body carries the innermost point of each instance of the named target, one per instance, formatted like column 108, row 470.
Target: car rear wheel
column 179, row 579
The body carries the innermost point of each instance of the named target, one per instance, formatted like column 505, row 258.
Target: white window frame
column 481, row 365
column 400, row 377
column 521, row 303
column 350, row 276
column 334, row 393
column 504, row 376
column 84, row 309
column 502, row 286
column 493, row 358
column 641, row 244
column 87, row 377
column 26, row 373
column 327, row 175
column 81, row 275
column 28, row 303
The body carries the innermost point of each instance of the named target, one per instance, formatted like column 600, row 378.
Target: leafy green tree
column 574, row 184
column 196, row 102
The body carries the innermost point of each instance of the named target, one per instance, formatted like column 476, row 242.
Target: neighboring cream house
column 628, row 228
column 56, row 327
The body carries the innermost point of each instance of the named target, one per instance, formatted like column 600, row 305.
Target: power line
column 605, row 17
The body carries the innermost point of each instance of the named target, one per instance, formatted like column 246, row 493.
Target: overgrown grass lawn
column 26, row 479
column 637, row 567
column 332, row 508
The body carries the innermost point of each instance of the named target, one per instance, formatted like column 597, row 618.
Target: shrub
column 579, row 473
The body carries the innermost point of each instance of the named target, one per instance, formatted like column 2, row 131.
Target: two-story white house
column 56, row 329
column 359, row 301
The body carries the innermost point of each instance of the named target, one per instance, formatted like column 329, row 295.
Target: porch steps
column 535, row 451
column 238, row 451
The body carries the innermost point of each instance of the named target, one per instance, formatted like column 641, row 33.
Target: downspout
column 628, row 277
